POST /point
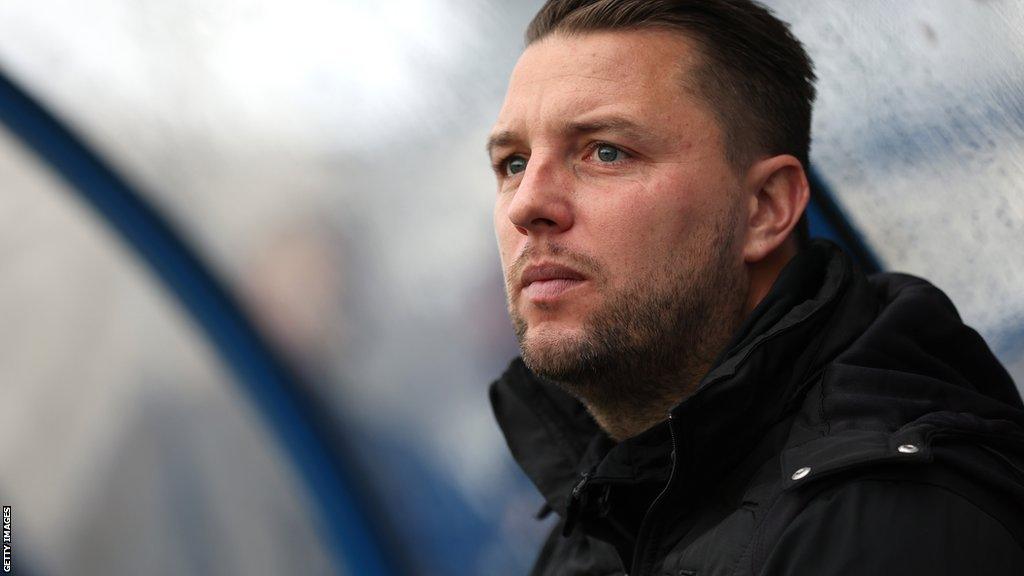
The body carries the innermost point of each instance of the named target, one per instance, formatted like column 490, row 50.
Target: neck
column 764, row 273
column 647, row 403
column 637, row 392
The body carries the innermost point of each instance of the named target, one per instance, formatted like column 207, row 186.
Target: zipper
column 639, row 549
column 577, row 490
column 572, row 510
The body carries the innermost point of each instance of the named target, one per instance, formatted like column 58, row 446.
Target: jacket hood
column 915, row 379
column 829, row 356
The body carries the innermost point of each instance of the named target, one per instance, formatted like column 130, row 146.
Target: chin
column 554, row 351
column 548, row 335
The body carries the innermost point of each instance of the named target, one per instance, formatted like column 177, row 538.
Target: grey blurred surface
column 123, row 450
column 920, row 130
column 328, row 157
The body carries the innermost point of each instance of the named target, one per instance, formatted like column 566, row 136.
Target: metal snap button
column 801, row 473
column 908, row 449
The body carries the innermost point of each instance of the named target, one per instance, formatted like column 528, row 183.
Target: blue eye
column 515, row 165
column 607, row 153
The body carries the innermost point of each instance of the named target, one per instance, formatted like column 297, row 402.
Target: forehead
column 643, row 72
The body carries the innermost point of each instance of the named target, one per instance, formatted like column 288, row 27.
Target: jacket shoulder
column 898, row 523
column 868, row 496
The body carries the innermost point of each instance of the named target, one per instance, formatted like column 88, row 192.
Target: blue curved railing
column 360, row 542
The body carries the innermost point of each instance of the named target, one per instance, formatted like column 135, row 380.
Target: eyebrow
column 575, row 128
column 609, row 124
column 500, row 140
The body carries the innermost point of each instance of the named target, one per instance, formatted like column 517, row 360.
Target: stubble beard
column 650, row 343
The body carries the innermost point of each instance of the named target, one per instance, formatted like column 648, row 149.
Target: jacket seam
column 756, row 533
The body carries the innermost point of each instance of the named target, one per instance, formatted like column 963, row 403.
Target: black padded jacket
column 853, row 426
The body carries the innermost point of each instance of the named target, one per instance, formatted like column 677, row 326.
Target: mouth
column 543, row 283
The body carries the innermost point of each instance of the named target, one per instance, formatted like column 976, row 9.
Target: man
column 701, row 389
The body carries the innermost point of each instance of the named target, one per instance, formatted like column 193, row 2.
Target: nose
column 542, row 203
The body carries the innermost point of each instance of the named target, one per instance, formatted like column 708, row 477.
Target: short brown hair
column 756, row 76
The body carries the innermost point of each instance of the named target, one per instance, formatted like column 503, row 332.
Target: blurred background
column 323, row 162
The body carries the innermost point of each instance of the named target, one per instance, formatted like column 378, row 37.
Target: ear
column 778, row 193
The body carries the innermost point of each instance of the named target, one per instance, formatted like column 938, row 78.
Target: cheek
column 627, row 243
column 651, row 231
column 508, row 238
column 649, row 217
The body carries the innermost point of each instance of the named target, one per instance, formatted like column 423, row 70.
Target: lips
column 546, row 282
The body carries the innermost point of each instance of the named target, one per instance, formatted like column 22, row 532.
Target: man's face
column 617, row 216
